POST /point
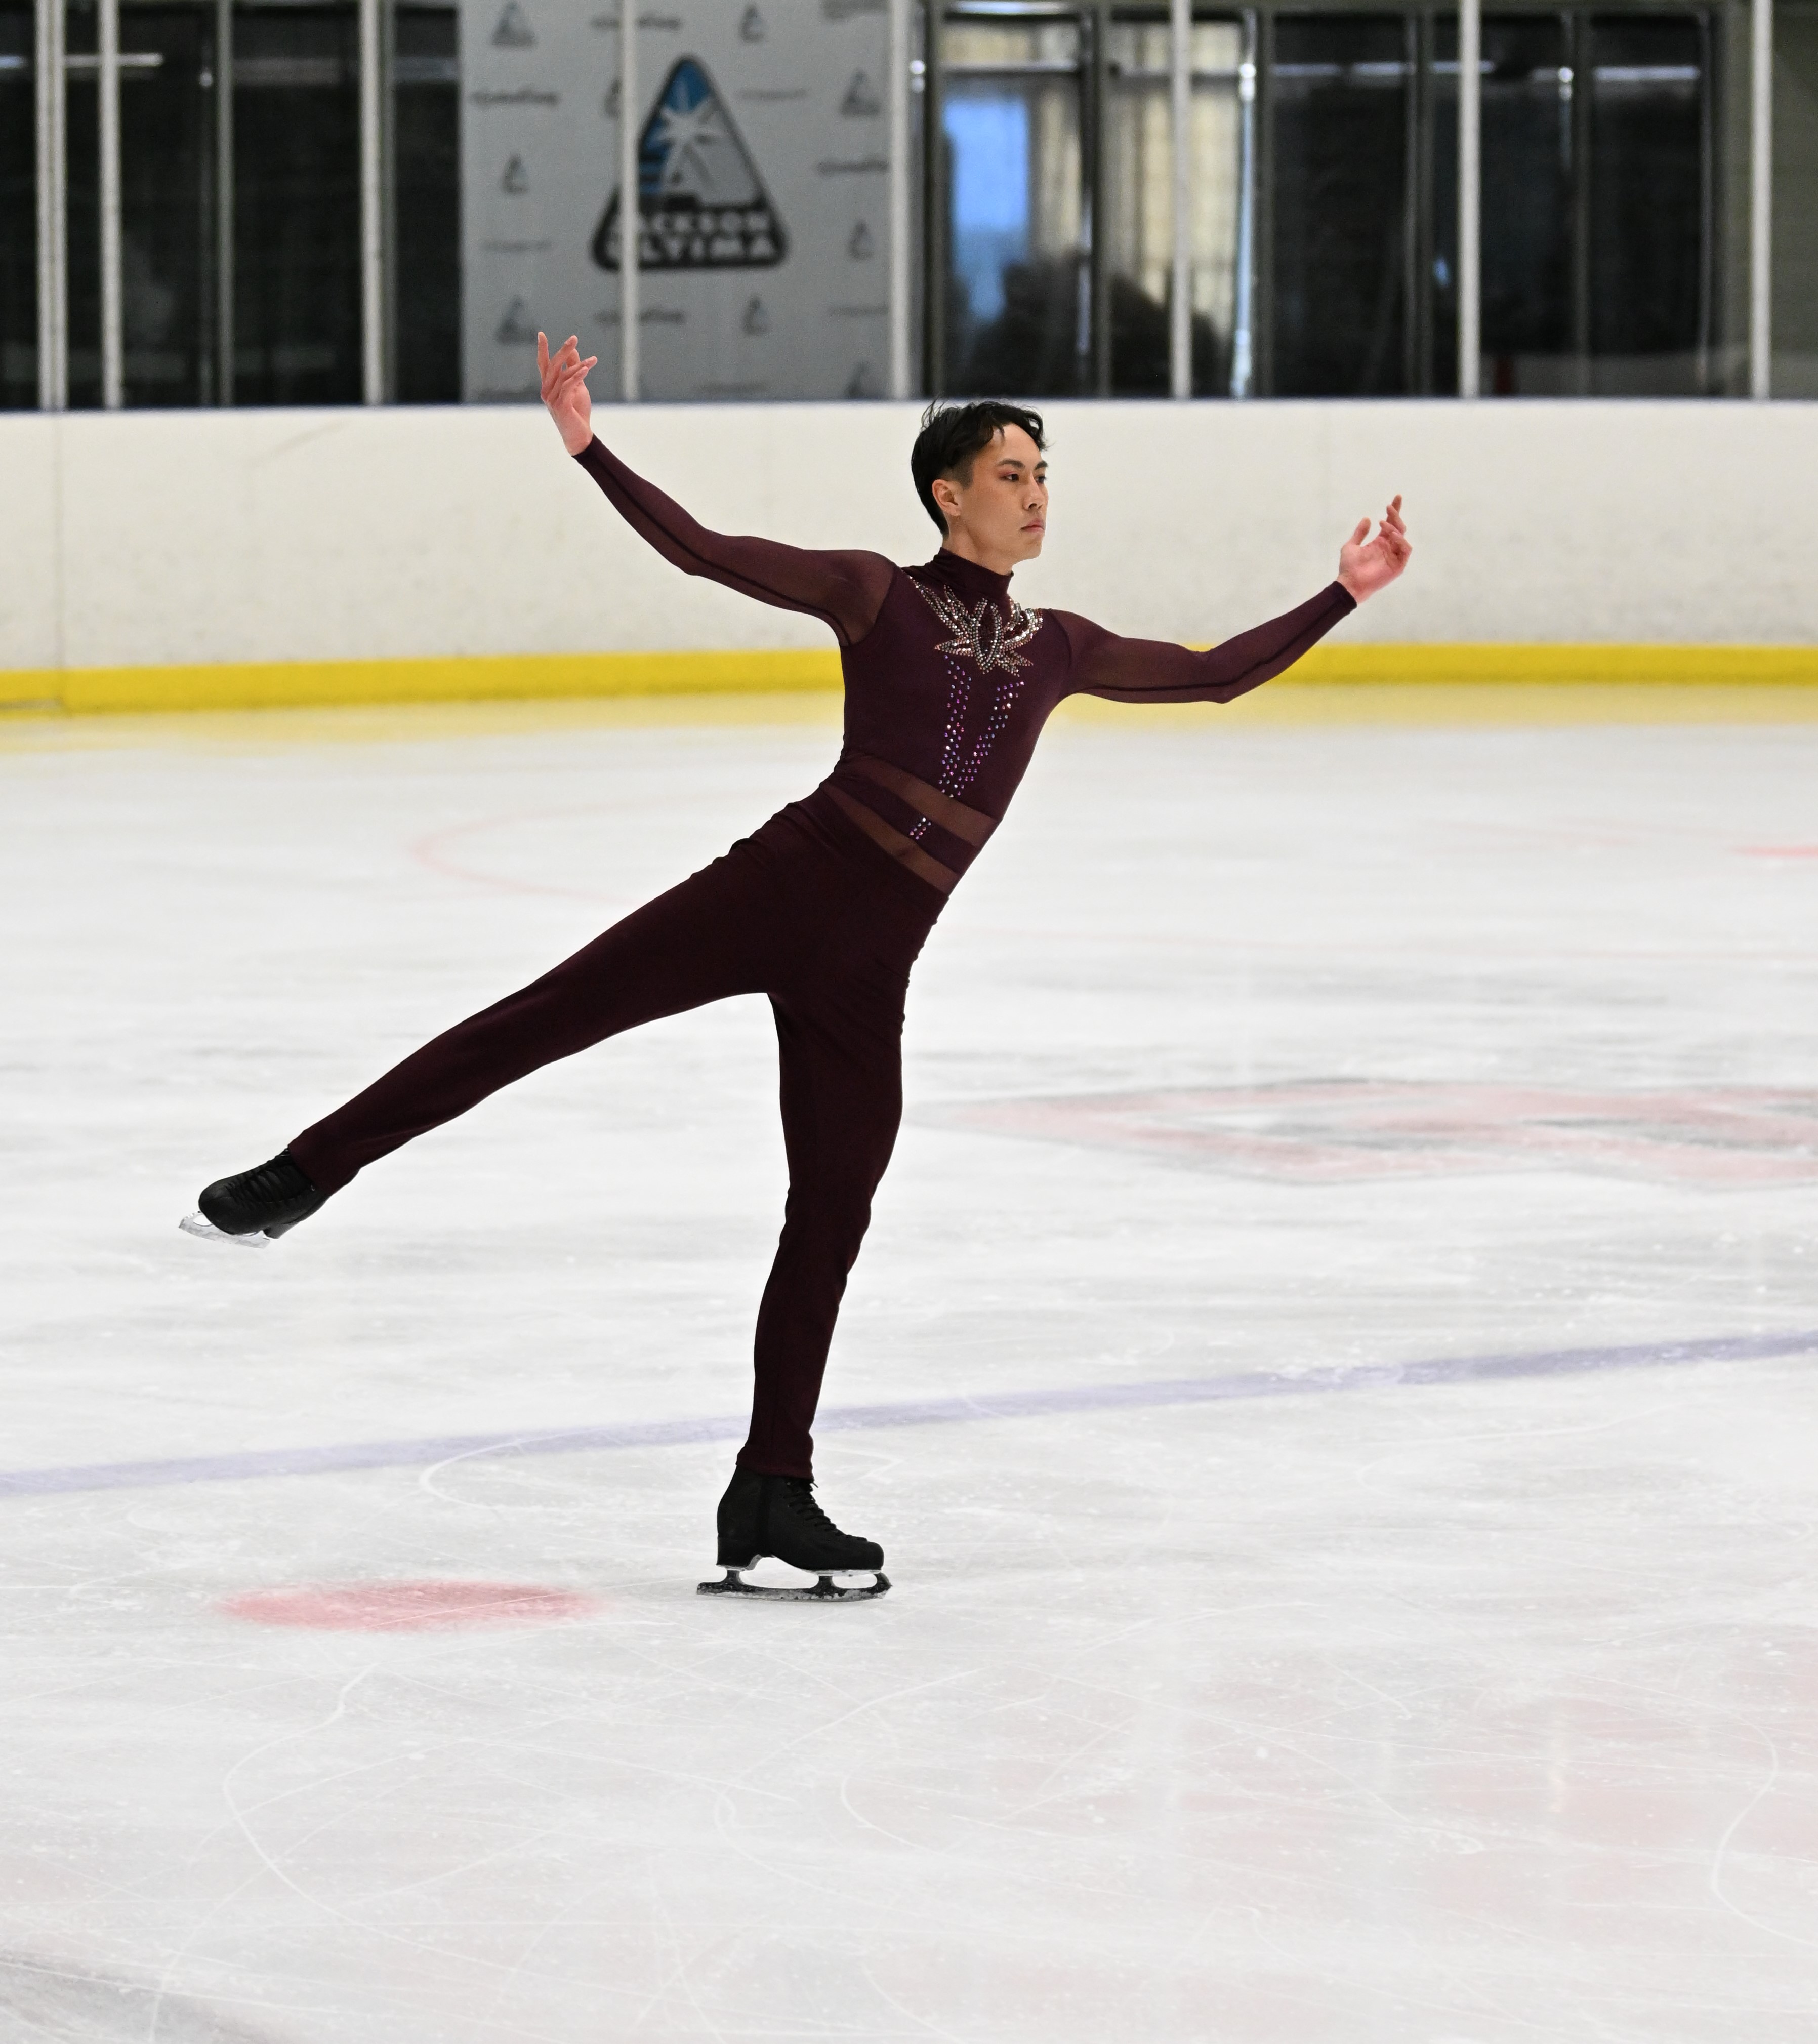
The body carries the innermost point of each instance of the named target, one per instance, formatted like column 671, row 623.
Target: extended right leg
column 706, row 939
column 711, row 937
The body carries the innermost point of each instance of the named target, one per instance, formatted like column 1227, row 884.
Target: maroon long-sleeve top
column 948, row 679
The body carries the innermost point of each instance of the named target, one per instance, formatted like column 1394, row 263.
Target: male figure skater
column 824, row 908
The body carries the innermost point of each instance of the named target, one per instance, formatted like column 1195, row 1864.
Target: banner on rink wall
column 763, row 206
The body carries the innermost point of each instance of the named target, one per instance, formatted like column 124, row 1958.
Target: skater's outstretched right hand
column 564, row 378
column 1366, row 565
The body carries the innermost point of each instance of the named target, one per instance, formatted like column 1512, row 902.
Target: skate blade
column 199, row 1225
column 825, row 1591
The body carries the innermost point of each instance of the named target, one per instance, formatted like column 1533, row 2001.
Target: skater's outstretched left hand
column 564, row 378
column 1366, row 565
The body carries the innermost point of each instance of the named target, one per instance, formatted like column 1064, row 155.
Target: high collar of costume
column 968, row 581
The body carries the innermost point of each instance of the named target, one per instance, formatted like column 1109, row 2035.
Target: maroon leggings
column 807, row 911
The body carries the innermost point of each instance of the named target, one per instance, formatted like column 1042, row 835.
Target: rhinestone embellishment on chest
column 982, row 635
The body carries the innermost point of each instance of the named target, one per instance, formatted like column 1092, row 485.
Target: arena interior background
column 232, row 559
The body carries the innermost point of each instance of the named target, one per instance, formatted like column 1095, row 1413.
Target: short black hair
column 953, row 436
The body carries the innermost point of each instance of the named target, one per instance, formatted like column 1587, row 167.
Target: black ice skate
column 255, row 1207
column 777, row 1516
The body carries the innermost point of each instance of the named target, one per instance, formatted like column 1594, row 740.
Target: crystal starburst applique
column 982, row 635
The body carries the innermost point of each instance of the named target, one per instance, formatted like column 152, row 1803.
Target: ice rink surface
column 1334, row 1371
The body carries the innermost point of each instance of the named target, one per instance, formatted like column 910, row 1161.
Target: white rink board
column 148, row 539
column 1483, row 1708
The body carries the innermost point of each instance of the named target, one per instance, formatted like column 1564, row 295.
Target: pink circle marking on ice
column 425, row 1607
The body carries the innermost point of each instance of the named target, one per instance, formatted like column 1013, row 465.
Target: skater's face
column 997, row 515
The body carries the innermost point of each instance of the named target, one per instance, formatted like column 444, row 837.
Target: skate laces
column 283, row 1177
column 806, row 1506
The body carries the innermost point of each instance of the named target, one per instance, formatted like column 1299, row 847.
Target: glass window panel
column 1217, row 51
column 166, row 164
column 1138, row 206
column 427, row 155
column 1598, row 227
column 1795, row 201
column 296, row 121
column 1439, row 267
column 167, row 157
column 1017, row 290
column 82, row 140
column 1139, row 189
column 1527, row 91
column 1650, row 202
column 18, row 214
column 1341, row 87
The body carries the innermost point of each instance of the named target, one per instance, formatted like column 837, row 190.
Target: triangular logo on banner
column 514, row 31
column 860, row 245
column 517, row 328
column 516, row 179
column 701, row 205
column 861, row 98
column 751, row 25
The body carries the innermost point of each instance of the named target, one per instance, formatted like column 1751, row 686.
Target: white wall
column 168, row 538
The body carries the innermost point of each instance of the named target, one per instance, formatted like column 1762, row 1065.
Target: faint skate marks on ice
column 333, row 1458
column 1721, row 1855
column 428, row 1606
column 438, row 851
column 52, row 2004
column 1780, row 852
column 1332, row 1131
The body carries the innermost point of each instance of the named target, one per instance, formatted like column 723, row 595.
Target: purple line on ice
column 914, row 1412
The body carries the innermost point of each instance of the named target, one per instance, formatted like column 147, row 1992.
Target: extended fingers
column 1393, row 533
column 567, row 369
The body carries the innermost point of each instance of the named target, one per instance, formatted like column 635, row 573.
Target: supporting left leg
column 842, row 1101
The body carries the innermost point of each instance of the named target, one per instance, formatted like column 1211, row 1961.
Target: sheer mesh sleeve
column 1154, row 670
column 846, row 589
